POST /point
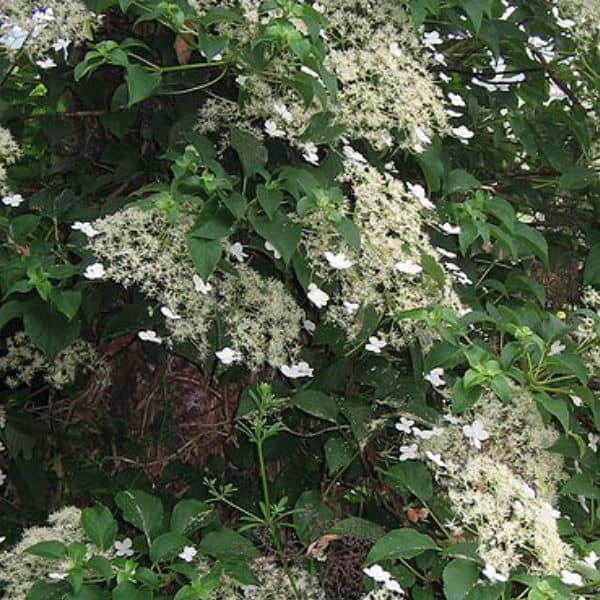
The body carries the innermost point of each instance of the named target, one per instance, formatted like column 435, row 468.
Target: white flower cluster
column 23, row 362
column 273, row 584
column 387, row 273
column 40, row 27
column 579, row 17
column 385, row 87
column 140, row 248
column 585, row 332
column 9, row 154
column 20, row 570
column 2, row 426
column 501, row 480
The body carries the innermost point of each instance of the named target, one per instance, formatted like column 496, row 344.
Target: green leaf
column 474, row 11
column 580, row 485
column 591, row 272
column 570, row 364
column 557, row 407
column 577, row 178
column 358, row 528
column 433, row 269
column 414, row 476
column 125, row 591
column 338, row 453
column 459, row 180
column 9, row 311
column 189, row 515
column 205, row 255
column 143, row 511
column 253, row 154
column 501, row 387
column 100, row 526
column 225, row 543
column 279, row 231
column 48, row 329
column 51, row 549
column 101, row 565
column 463, row 398
column 269, row 199
column 316, row 404
column 147, row 577
column 533, row 240
column 312, row 517
column 167, row 546
column 67, row 301
column 400, row 543
column 214, row 222
column 432, row 166
column 349, row 231
column 459, row 577
column 141, row 83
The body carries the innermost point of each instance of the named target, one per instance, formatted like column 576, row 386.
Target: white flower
column 570, row 578
column 476, row 433
column 85, row 228
column 432, row 38
column 576, row 400
column 404, row 425
column 228, row 356
column 2, row 477
column 454, row 114
column 283, row 112
column 61, row 44
column 237, row 251
column 309, row 71
column 302, row 369
column 149, row 336
column 393, row 586
column 556, row 348
column 272, row 130
column 426, row 434
column 528, row 491
column 445, row 253
column 95, row 271
column 2, row 538
column 421, row 136
column 351, row 307
column 309, row 326
column 188, row 553
column 200, row 286
column 395, row 50
column 456, row 100
column 124, row 548
column 591, row 559
column 409, row 452
column 451, row 267
column 451, row 419
column 14, row 38
column 493, row 575
column 167, row 312
column 310, row 153
column 462, row 132
column 593, row 440
column 13, row 200
column 352, row 154
column 375, row 344
column 418, row 191
column 338, row 261
column 450, row 229
column 435, row 377
column 435, row 458
column 46, row 63
column 273, row 250
column 317, row 296
column 57, row 576
column 377, row 573
column 408, row 268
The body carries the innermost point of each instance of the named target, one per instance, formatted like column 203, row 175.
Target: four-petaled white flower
column 149, row 335
column 432, row 38
column 302, row 369
column 450, row 229
column 377, row 573
column 272, row 130
column 188, row 553
column 46, row 63
column 409, row 452
column 476, row 433
column 351, row 307
column 436, row 459
column 283, row 111
column 375, row 344
column 393, row 586
column 556, row 348
column 95, row 271
column 571, row 578
column 317, row 296
column 167, row 312
column 352, row 154
column 62, row 44
column 493, row 575
column 85, row 228
column 463, row 133
column 338, row 261
column 13, row 200
column 576, row 400
column 124, row 548
column 445, row 253
column 456, row 100
column 404, row 425
column 418, row 191
column 435, row 377
column 591, row 559
column 593, row 440
column 200, row 285
column 237, row 251
column 228, row 356
column 310, row 153
column 408, row 268
column 395, row 50
column 273, row 250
